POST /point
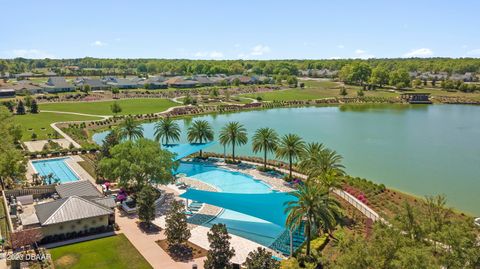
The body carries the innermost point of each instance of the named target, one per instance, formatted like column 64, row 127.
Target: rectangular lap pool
column 57, row 168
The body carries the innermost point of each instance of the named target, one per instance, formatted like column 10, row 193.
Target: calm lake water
column 422, row 149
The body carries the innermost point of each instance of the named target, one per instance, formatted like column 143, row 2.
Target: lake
column 419, row 149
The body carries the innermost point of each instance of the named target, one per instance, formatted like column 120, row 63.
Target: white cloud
column 31, row 53
column 363, row 54
column 259, row 50
column 423, row 52
column 474, row 52
column 340, row 46
column 98, row 43
column 209, row 54
column 237, row 45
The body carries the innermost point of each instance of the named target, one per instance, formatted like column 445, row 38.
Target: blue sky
column 239, row 29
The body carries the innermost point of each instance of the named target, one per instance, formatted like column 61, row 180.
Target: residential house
column 204, row 80
column 58, row 84
column 7, row 93
column 180, row 82
column 242, row 79
column 95, row 84
column 120, row 83
column 154, row 83
column 27, row 87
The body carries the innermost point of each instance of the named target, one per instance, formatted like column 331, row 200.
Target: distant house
column 242, row 79
column 203, row 80
column 180, row 82
column 58, row 84
column 27, row 87
column 95, row 84
column 154, row 83
column 120, row 83
column 467, row 77
column 7, row 93
column 23, row 75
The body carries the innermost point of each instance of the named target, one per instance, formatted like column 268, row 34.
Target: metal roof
column 69, row 209
column 78, row 188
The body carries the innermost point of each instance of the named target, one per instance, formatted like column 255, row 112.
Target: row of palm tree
column 312, row 205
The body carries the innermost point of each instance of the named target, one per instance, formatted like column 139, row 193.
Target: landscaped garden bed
column 187, row 252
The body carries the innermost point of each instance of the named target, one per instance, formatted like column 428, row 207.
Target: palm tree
column 291, row 147
column 313, row 207
column 234, row 134
column 265, row 139
column 200, row 132
column 167, row 129
column 310, row 158
column 130, row 130
column 331, row 161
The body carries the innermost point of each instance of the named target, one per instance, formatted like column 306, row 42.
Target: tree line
column 97, row 66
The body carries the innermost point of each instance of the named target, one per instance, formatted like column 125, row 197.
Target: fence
column 367, row 211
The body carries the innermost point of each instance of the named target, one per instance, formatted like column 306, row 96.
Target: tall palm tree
column 265, row 139
column 291, row 147
column 130, row 130
column 200, row 132
column 313, row 207
column 167, row 130
column 310, row 158
column 331, row 161
column 233, row 134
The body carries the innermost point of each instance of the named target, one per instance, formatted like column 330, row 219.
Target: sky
column 247, row 29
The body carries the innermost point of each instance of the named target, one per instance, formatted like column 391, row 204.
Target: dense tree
column 200, row 132
column 136, row 163
column 379, row 76
column 355, row 73
column 266, row 140
column 12, row 162
column 290, row 147
column 167, row 130
column 176, row 229
column 260, row 259
column 20, row 108
column 399, row 78
column 219, row 253
column 34, row 107
column 233, row 134
column 129, row 129
column 115, row 108
column 109, row 142
column 146, row 204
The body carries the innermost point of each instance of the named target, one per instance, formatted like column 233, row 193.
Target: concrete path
column 80, row 114
column 146, row 245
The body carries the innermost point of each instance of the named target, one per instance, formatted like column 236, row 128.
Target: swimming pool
column 254, row 229
column 57, row 167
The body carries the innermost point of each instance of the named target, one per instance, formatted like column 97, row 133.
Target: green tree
column 399, row 78
column 167, row 130
column 109, row 142
column 260, row 259
column 409, row 223
column 360, row 93
column 176, row 227
column 292, row 81
column 136, row 163
column 20, row 108
column 379, row 76
column 265, row 139
column 315, row 208
column 290, row 147
column 355, row 73
column 200, row 132
column 130, row 129
column 146, row 204
column 311, row 158
column 115, row 108
column 34, row 107
column 115, row 91
column 233, row 134
column 343, row 91
column 220, row 253
column 86, row 88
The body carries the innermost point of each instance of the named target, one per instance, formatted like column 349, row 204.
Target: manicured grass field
column 40, row 123
column 129, row 106
column 111, row 252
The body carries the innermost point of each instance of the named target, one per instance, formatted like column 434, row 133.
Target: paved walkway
column 37, row 145
column 146, row 245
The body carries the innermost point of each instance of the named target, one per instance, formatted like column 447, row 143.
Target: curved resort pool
column 223, row 180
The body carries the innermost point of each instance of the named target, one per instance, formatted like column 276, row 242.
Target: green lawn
column 111, row 252
column 129, row 106
column 40, row 123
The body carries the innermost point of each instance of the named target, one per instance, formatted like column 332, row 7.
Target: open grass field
column 129, row 106
column 111, row 252
column 40, row 123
